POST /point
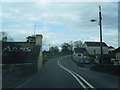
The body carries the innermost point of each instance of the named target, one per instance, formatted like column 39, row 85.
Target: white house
column 94, row 48
column 110, row 49
column 79, row 52
column 118, row 55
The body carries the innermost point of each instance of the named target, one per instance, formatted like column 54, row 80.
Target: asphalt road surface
column 0, row 77
column 62, row 72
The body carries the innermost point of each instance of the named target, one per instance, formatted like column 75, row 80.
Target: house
column 110, row 49
column 80, row 55
column 112, row 56
column 115, row 56
column 118, row 55
column 31, row 39
column 94, row 48
column 80, row 52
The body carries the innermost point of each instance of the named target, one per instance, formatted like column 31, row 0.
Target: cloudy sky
column 60, row 22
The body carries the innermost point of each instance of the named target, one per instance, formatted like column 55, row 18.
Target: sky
column 60, row 22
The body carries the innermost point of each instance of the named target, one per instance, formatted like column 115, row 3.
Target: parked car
column 82, row 61
column 87, row 62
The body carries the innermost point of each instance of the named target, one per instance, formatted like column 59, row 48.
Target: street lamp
column 100, row 23
column 49, row 47
column 71, row 50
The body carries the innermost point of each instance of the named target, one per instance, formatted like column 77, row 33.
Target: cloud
column 78, row 15
column 72, row 15
column 60, row 21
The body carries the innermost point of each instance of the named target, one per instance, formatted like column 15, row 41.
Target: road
column 61, row 72
column 0, row 77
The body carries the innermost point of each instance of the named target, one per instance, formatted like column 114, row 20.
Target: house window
column 79, row 54
column 117, row 58
column 94, row 52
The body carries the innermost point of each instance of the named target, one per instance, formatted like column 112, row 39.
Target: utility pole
column 101, row 44
column 49, row 47
column 71, row 50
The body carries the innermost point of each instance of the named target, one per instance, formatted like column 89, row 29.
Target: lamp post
column 49, row 47
column 71, row 49
column 100, row 24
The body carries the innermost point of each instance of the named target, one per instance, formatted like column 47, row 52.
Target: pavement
column 62, row 72
column 87, row 65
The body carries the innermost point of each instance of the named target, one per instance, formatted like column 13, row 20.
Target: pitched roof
column 97, row 44
column 117, row 50
column 33, row 37
column 79, row 50
column 111, row 47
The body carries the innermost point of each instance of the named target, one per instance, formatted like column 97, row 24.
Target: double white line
column 80, row 79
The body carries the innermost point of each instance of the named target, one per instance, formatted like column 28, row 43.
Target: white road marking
column 76, row 77
column 72, row 75
column 84, row 80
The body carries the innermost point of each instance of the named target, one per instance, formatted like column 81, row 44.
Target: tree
column 66, row 47
column 54, row 49
column 78, row 44
column 4, row 35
